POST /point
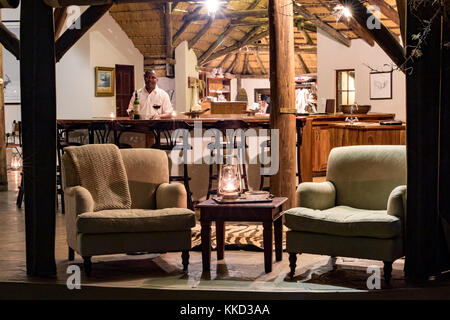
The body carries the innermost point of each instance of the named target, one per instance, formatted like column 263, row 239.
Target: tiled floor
column 160, row 276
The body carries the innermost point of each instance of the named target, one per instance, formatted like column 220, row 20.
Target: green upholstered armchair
column 359, row 211
column 120, row 201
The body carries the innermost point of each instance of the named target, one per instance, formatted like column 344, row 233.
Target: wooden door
column 124, row 88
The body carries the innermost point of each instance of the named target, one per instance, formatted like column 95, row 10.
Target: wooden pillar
column 3, row 173
column 37, row 77
column 282, row 96
column 428, row 126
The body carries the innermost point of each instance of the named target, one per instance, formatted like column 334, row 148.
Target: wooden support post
column 169, row 44
column 282, row 94
column 38, row 96
column 86, row 21
column 3, row 173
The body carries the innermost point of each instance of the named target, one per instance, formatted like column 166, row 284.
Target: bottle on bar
column 136, row 107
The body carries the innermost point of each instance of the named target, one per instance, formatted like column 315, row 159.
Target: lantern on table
column 16, row 162
column 230, row 182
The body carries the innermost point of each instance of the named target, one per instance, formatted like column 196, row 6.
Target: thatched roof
column 237, row 24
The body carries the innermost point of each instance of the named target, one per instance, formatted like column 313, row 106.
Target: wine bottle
column 136, row 107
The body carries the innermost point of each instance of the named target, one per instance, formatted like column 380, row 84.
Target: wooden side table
column 269, row 213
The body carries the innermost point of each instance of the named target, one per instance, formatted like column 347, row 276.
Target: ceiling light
column 212, row 5
column 340, row 11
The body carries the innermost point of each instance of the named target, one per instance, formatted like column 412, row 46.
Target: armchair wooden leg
column 292, row 264
column 71, row 254
column 87, row 265
column 387, row 272
column 185, row 259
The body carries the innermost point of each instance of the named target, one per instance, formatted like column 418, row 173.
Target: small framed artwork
column 104, row 82
column 380, row 85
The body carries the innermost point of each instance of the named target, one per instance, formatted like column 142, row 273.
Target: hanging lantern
column 230, row 182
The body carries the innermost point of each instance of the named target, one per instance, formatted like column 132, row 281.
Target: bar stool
column 298, row 144
column 99, row 132
column 165, row 141
column 223, row 125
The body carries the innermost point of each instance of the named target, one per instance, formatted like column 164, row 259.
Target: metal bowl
column 362, row 109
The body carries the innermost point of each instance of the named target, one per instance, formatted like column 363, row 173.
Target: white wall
column 332, row 56
column 249, row 85
column 185, row 64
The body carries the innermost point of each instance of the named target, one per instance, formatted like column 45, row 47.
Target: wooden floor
column 159, row 276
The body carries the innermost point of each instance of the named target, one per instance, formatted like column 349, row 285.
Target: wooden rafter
column 10, row 41
column 387, row 10
column 200, row 34
column 322, row 25
column 236, row 61
column 382, row 35
column 258, row 60
column 401, row 9
column 245, row 66
column 302, row 63
column 224, row 60
column 251, row 37
column 168, row 28
column 353, row 25
column 86, row 21
column 221, row 38
column 186, row 23
column 60, row 16
column 66, row 3
column 306, row 37
column 233, row 14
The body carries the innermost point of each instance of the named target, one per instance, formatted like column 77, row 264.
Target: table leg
column 268, row 243
column 278, row 230
column 206, row 245
column 220, row 238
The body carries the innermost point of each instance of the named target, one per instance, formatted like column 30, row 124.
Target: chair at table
column 222, row 126
column 358, row 212
column 120, row 201
column 165, row 140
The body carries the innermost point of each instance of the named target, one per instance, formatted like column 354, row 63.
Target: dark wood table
column 269, row 213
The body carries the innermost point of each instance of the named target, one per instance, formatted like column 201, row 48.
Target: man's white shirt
column 148, row 100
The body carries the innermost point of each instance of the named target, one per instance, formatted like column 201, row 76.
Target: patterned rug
column 238, row 236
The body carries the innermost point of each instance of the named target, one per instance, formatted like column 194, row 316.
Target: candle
column 111, row 115
column 174, row 114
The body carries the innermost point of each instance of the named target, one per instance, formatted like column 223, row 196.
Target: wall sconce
column 230, row 181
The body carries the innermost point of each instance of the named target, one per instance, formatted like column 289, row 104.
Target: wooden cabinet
column 317, row 140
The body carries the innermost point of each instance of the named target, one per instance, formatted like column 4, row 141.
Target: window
column 345, row 87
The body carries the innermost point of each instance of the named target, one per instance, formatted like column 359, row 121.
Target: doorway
column 124, row 88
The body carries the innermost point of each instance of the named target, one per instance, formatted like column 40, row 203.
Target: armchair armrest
column 317, row 196
column 171, row 196
column 396, row 205
column 78, row 200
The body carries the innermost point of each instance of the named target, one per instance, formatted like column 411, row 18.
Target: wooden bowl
column 362, row 109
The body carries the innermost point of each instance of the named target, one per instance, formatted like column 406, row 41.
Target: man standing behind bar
column 154, row 102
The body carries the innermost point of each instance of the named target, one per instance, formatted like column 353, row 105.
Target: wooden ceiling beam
column 71, row 36
column 10, row 41
column 245, row 67
column 233, row 14
column 9, row 3
column 401, row 9
column 302, row 63
column 322, row 25
column 60, row 16
column 236, row 61
column 200, row 34
column 387, row 10
column 306, row 37
column 258, row 60
column 382, row 36
column 221, row 38
column 353, row 25
column 186, row 23
column 67, row 3
column 251, row 37
column 167, row 12
column 224, row 60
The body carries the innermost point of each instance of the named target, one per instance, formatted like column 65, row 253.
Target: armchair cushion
column 171, row 195
column 136, row 220
column 344, row 221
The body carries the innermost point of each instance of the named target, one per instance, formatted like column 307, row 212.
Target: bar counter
column 313, row 131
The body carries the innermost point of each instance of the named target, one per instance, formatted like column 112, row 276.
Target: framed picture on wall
column 380, row 85
column 104, row 82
